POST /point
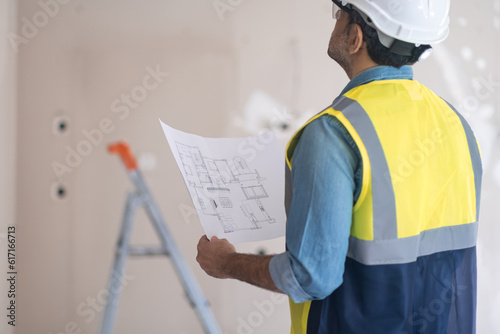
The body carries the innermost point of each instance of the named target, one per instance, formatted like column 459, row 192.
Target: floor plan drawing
column 236, row 184
column 218, row 187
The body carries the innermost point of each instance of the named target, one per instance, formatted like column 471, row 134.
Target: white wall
column 77, row 64
column 88, row 53
column 8, row 99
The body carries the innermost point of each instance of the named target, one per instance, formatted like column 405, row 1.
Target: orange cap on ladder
column 123, row 150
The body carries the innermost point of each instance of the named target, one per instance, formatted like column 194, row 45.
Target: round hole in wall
column 284, row 126
column 279, row 126
column 60, row 125
column 59, row 191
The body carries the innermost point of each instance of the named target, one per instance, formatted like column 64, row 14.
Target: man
column 382, row 194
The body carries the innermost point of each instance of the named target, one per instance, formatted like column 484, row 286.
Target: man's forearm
column 249, row 268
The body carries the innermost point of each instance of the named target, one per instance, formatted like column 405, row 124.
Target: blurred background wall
column 222, row 68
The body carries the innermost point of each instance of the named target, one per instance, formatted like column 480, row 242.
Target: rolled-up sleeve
column 325, row 175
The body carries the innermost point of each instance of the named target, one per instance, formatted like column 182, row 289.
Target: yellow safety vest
column 420, row 191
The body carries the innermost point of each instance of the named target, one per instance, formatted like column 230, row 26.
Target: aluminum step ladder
column 141, row 197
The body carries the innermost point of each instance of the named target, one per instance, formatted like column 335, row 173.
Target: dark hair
column 378, row 52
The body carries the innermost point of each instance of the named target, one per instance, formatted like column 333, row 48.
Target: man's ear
column 355, row 39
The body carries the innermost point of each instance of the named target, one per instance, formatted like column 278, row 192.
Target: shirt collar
column 379, row 73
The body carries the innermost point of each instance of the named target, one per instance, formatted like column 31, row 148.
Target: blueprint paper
column 236, row 184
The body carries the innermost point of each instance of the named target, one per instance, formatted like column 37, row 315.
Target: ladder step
column 147, row 251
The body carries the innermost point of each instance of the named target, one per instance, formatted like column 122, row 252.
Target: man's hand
column 219, row 259
column 213, row 255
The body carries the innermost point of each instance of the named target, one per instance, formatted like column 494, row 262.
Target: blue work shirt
column 326, row 180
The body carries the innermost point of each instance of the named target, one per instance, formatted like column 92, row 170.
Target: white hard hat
column 412, row 21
